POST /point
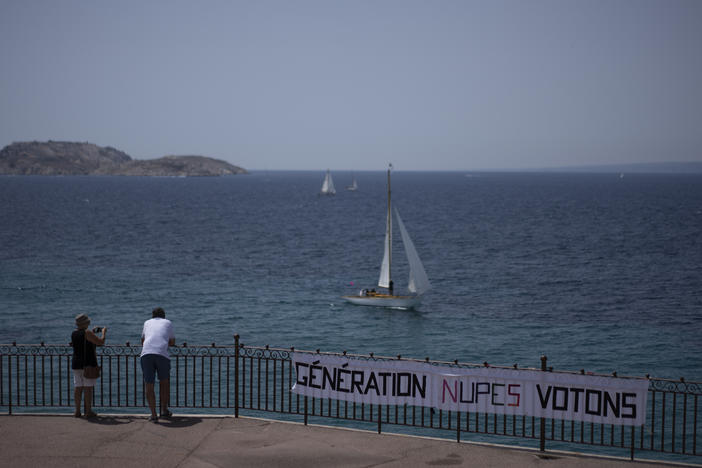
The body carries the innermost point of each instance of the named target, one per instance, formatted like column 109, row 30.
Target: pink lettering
column 509, row 392
column 453, row 395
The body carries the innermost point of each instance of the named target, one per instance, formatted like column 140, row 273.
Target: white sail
column 418, row 279
column 328, row 185
column 384, row 280
column 386, row 266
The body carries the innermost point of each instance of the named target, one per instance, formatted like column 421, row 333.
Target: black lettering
column 494, row 394
column 330, row 378
column 608, row 403
column 576, row 393
column 407, row 376
column 479, row 392
column 544, row 402
column 588, row 399
column 340, row 381
column 385, row 376
column 357, row 381
column 626, row 404
column 301, row 378
column 472, row 394
column 372, row 384
column 313, row 377
column 417, row 387
column 564, row 391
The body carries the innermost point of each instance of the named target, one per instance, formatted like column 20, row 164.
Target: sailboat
column 328, row 185
column 418, row 281
column 354, row 186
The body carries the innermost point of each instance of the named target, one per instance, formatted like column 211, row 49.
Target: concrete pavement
column 205, row 442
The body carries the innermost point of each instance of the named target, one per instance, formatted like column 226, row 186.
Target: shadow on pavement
column 176, row 421
column 111, row 420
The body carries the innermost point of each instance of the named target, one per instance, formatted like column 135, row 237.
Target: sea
column 593, row 270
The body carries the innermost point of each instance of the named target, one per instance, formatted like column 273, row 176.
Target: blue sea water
column 595, row 271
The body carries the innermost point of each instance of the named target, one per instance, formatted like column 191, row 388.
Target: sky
column 352, row 85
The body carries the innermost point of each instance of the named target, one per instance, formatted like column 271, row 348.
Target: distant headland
column 71, row 158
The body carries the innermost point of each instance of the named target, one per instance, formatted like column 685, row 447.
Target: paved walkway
column 206, row 442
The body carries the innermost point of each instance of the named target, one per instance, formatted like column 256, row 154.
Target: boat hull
column 393, row 302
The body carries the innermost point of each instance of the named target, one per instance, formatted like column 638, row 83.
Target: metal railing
column 230, row 379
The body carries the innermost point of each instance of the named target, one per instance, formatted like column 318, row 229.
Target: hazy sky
column 441, row 84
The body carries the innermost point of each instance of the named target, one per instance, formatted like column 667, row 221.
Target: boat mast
column 389, row 229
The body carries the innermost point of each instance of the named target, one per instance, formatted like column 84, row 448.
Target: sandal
column 153, row 418
column 77, row 414
column 166, row 414
column 91, row 414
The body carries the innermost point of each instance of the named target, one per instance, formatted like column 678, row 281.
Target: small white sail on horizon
column 354, row 185
column 328, row 185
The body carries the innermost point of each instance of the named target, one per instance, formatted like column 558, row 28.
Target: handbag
column 89, row 372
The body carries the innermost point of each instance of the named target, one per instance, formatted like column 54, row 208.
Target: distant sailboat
column 418, row 280
column 354, row 186
column 328, row 185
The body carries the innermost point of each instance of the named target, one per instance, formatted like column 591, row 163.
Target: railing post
column 305, row 410
column 380, row 416
column 9, row 382
column 633, row 431
column 458, row 426
column 236, row 376
column 542, row 427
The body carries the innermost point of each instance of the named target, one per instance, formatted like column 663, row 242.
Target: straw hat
column 82, row 321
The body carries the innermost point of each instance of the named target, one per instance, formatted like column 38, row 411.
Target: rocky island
column 70, row 158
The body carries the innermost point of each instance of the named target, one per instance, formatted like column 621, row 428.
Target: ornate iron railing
column 259, row 380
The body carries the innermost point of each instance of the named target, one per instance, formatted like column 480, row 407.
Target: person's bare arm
column 93, row 338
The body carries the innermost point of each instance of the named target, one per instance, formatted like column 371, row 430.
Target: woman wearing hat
column 84, row 342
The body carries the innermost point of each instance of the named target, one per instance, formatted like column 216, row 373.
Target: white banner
column 585, row 398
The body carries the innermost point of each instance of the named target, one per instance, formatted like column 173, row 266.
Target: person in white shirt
column 156, row 336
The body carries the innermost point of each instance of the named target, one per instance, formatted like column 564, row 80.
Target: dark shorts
column 155, row 363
